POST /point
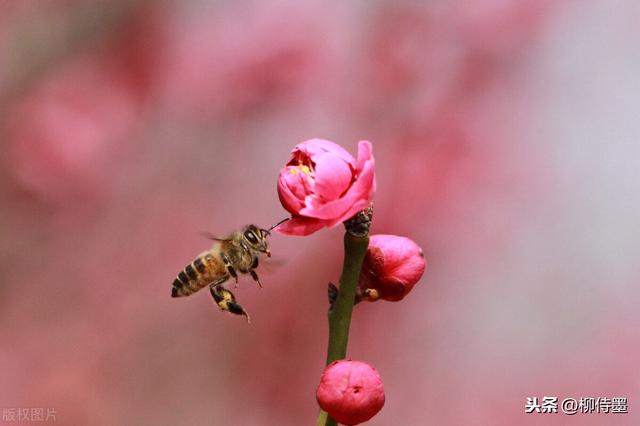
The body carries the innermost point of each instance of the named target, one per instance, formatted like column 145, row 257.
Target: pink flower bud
column 322, row 185
column 350, row 391
column 391, row 267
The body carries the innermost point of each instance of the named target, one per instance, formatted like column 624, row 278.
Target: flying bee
column 237, row 253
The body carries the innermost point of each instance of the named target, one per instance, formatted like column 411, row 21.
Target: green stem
column 355, row 248
column 324, row 419
column 340, row 316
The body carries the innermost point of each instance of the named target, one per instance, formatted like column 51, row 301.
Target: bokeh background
column 506, row 141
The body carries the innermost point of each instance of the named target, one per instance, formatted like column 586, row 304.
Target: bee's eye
column 251, row 237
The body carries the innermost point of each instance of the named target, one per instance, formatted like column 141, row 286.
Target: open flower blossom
column 322, row 185
column 391, row 267
column 350, row 391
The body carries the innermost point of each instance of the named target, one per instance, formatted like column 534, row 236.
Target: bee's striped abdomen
column 195, row 276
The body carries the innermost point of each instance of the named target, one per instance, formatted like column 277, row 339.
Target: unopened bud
column 351, row 392
column 391, row 267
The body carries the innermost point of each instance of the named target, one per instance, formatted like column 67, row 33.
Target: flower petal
column 356, row 198
column 294, row 184
column 300, row 225
column 365, row 153
column 332, row 176
column 288, row 200
column 287, row 197
column 314, row 147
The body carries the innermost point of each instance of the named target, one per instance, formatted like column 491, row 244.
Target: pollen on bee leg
column 235, row 308
column 226, row 301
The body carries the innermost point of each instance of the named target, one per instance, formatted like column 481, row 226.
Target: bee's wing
column 276, row 261
column 210, row 236
column 272, row 264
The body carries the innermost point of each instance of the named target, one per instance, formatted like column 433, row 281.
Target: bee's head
column 256, row 238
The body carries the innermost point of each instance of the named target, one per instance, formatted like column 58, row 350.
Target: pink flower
column 322, row 185
column 350, row 391
column 391, row 267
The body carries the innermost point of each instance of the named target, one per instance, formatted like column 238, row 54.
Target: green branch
column 340, row 316
column 356, row 241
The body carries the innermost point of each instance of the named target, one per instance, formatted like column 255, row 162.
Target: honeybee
column 237, row 253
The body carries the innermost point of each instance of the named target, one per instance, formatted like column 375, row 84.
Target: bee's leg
column 230, row 268
column 254, row 265
column 255, row 277
column 227, row 301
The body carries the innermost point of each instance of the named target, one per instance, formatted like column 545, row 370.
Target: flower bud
column 350, row 391
column 391, row 267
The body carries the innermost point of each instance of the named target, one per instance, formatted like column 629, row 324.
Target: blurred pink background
column 506, row 142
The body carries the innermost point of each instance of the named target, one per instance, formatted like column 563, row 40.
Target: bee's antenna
column 268, row 231
column 280, row 223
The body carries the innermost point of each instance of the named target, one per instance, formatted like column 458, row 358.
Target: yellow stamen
column 305, row 169
column 302, row 168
